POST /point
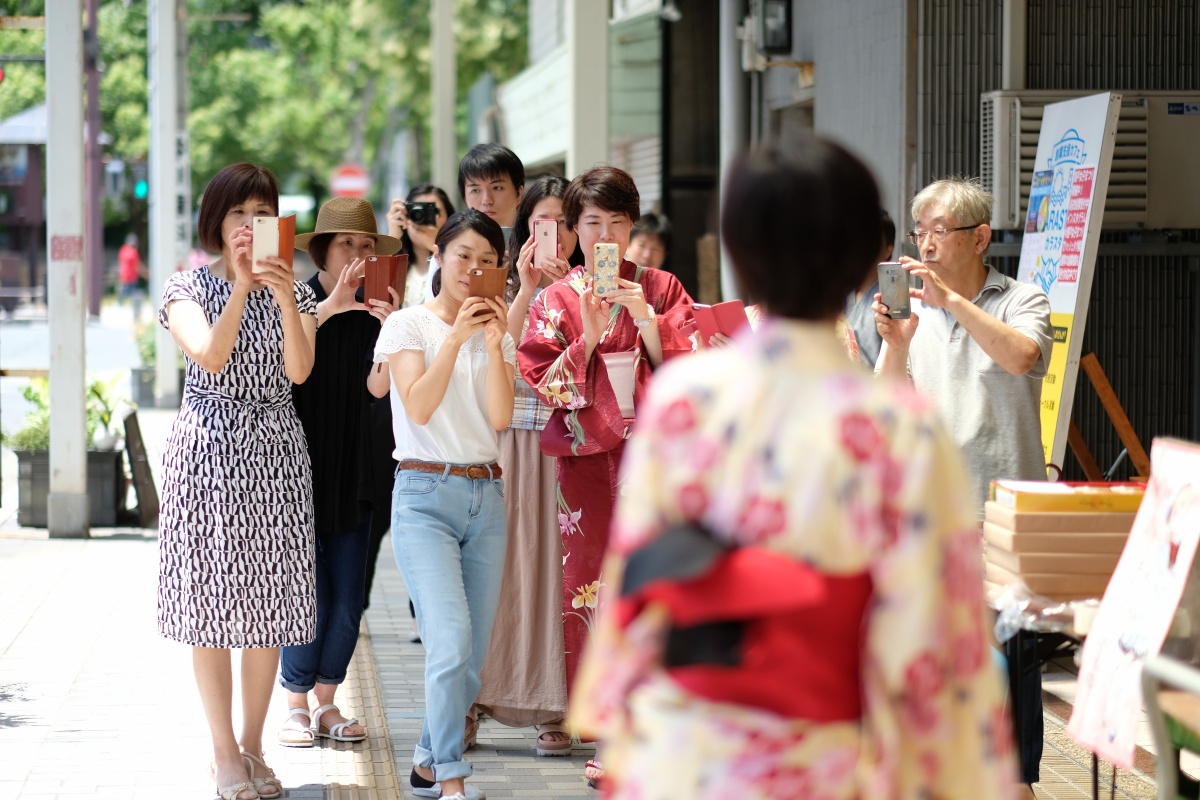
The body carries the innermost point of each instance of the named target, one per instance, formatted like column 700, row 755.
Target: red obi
column 753, row 627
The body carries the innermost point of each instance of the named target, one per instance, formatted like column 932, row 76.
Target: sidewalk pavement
column 93, row 703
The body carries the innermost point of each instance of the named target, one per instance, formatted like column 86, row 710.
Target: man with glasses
column 977, row 343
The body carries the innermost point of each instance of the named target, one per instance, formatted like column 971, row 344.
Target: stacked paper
column 1062, row 539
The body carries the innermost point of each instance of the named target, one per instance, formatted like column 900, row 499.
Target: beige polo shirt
column 994, row 416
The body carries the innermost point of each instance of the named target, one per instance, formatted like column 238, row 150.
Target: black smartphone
column 893, row 289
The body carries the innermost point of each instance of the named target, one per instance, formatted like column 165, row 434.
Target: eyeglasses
column 938, row 234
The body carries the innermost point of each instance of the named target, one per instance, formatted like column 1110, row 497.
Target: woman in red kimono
column 585, row 357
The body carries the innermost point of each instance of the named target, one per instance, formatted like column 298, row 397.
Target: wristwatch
column 643, row 323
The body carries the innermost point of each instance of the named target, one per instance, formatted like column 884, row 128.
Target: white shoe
column 473, row 793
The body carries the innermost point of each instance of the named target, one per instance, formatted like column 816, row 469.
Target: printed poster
column 1062, row 227
column 1139, row 605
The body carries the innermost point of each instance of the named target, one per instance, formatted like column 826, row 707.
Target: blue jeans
column 341, row 584
column 449, row 534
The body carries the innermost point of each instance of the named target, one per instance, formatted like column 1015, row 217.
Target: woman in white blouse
column 452, row 366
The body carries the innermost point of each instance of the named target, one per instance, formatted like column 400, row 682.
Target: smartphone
column 893, row 289
column 606, row 269
column 488, row 282
column 382, row 272
column 545, row 237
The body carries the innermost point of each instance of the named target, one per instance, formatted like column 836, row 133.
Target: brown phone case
column 488, row 282
column 273, row 237
column 382, row 272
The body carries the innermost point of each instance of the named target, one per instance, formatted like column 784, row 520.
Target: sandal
column 233, row 792
column 336, row 732
column 254, row 765
column 553, row 746
column 470, row 733
column 593, row 781
column 294, row 733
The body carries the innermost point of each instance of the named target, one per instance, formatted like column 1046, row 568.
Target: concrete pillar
column 444, row 90
column 734, row 113
column 587, row 44
column 162, row 28
column 67, row 280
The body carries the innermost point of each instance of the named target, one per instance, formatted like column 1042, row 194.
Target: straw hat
column 349, row 215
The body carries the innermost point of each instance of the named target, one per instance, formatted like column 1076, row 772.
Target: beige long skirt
column 525, row 675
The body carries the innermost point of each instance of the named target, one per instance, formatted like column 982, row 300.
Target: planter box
column 141, row 387
column 105, row 486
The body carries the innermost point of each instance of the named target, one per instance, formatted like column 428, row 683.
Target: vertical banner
column 1139, row 605
column 1062, row 229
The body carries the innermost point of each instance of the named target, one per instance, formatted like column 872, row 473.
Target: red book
column 726, row 318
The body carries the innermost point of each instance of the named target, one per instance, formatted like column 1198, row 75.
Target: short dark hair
column 490, row 160
column 609, row 188
column 539, row 188
column 235, row 184
column 889, row 231
column 471, row 220
column 318, row 249
column 800, row 222
column 652, row 224
column 406, row 245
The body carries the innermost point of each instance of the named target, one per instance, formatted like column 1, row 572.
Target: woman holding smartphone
column 417, row 238
column 578, row 353
column 236, row 524
column 525, row 678
column 334, row 407
column 452, row 366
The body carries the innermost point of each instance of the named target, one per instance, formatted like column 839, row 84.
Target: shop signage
column 1062, row 229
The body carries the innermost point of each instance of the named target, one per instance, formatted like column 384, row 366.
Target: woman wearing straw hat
column 334, row 407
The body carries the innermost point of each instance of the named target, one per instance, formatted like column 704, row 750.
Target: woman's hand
column 241, row 269
column 275, row 273
column 467, row 323
column 595, row 315
column 554, row 266
column 397, row 219
column 529, row 272
column 497, row 326
column 342, row 297
column 632, row 297
column 382, row 309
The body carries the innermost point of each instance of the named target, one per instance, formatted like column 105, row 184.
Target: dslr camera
column 421, row 213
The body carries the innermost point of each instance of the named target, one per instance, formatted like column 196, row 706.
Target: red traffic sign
column 350, row 180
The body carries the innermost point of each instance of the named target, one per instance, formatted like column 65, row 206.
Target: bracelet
column 642, row 324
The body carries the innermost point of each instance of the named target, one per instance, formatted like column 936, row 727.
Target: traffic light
column 141, row 189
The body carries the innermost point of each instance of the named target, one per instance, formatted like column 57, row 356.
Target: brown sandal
column 547, row 745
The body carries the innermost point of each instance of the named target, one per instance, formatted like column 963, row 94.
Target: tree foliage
column 297, row 86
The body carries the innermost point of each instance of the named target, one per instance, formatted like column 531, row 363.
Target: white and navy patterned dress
column 235, row 529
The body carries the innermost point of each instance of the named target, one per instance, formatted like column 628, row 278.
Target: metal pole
column 1013, row 56
column 587, row 44
column 733, row 112
column 183, row 161
column 67, row 281
column 163, row 112
column 92, row 164
column 444, row 80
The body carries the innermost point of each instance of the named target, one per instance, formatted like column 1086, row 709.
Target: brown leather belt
column 472, row 471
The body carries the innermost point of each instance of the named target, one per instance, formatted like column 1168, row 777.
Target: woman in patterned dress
column 572, row 335
column 838, row 503
column 236, row 524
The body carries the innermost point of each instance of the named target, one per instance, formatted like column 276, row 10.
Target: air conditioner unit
column 1154, row 182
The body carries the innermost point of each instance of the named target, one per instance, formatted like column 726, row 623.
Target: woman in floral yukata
column 828, row 592
column 566, row 356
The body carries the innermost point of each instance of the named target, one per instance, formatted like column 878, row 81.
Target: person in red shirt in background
column 129, row 272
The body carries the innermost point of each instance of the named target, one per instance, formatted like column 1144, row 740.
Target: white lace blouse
column 459, row 432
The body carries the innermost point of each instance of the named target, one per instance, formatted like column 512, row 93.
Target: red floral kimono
column 587, row 430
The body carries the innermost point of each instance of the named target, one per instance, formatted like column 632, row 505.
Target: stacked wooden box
column 1062, row 539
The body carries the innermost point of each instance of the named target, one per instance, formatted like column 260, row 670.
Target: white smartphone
column 545, row 238
column 893, row 289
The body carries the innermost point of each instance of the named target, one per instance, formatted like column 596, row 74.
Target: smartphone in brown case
column 382, row 272
column 488, row 282
column 273, row 237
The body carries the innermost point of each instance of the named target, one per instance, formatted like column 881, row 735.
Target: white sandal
column 337, row 731
column 294, row 733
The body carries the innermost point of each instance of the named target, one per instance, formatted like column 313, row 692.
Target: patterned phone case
column 607, row 268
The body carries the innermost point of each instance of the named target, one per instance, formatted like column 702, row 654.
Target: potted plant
column 142, row 378
column 105, row 461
